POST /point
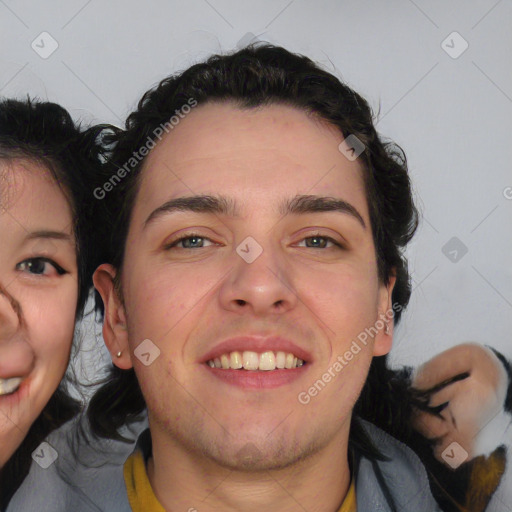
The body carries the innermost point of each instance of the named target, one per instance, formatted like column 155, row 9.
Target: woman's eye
column 191, row 242
column 40, row 267
column 318, row 242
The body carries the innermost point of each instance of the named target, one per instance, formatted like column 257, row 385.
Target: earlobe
column 115, row 334
column 384, row 338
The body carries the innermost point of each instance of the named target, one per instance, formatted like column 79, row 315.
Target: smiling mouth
column 249, row 360
column 9, row 386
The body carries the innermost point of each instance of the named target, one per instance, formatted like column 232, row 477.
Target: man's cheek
column 334, row 304
column 161, row 389
column 343, row 376
column 151, row 381
column 164, row 301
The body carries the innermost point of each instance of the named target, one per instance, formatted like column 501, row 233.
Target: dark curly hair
column 44, row 133
column 255, row 76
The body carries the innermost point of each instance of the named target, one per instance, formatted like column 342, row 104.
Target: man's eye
column 40, row 267
column 190, row 242
column 318, row 242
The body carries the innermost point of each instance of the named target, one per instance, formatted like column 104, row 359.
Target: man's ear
column 384, row 338
column 114, row 321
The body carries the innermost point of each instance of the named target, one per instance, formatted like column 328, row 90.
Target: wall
column 448, row 106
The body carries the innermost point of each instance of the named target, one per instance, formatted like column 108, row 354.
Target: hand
column 465, row 389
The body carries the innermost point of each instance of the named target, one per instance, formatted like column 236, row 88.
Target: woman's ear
column 114, row 322
column 384, row 338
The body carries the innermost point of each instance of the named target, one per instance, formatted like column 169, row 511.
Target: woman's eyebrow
column 300, row 204
column 49, row 235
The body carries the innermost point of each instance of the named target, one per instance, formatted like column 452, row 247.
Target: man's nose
column 262, row 285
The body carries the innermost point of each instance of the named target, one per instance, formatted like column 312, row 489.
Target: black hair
column 44, row 133
column 258, row 75
column 508, row 369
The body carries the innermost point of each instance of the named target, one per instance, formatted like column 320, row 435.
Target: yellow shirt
column 143, row 499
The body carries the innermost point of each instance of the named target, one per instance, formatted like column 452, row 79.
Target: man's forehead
column 184, row 164
column 225, row 132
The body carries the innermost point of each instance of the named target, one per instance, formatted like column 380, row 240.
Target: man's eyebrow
column 220, row 205
column 199, row 204
column 310, row 204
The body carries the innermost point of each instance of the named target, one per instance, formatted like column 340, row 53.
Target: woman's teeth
column 8, row 386
column 249, row 360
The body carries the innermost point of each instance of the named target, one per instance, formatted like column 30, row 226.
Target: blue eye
column 40, row 267
column 319, row 242
column 190, row 242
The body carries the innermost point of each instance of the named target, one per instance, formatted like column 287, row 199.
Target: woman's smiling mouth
column 9, row 386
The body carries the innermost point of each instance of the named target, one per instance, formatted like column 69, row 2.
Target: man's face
column 196, row 286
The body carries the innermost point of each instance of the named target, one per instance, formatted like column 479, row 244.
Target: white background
column 452, row 116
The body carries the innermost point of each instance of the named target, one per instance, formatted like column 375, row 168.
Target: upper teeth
column 9, row 385
column 249, row 360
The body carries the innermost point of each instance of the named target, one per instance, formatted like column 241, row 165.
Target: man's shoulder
column 396, row 482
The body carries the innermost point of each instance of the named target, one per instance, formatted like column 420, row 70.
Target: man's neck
column 185, row 481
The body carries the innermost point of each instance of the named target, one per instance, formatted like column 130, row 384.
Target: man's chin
column 257, row 456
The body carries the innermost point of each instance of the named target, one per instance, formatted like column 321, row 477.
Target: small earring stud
column 386, row 329
column 119, row 354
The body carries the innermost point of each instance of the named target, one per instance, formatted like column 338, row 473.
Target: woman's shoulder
column 75, row 471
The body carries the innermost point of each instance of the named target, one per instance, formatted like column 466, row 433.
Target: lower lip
column 15, row 397
column 258, row 379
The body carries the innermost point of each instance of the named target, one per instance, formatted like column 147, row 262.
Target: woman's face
column 38, row 295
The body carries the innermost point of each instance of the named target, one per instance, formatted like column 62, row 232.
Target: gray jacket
column 94, row 482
